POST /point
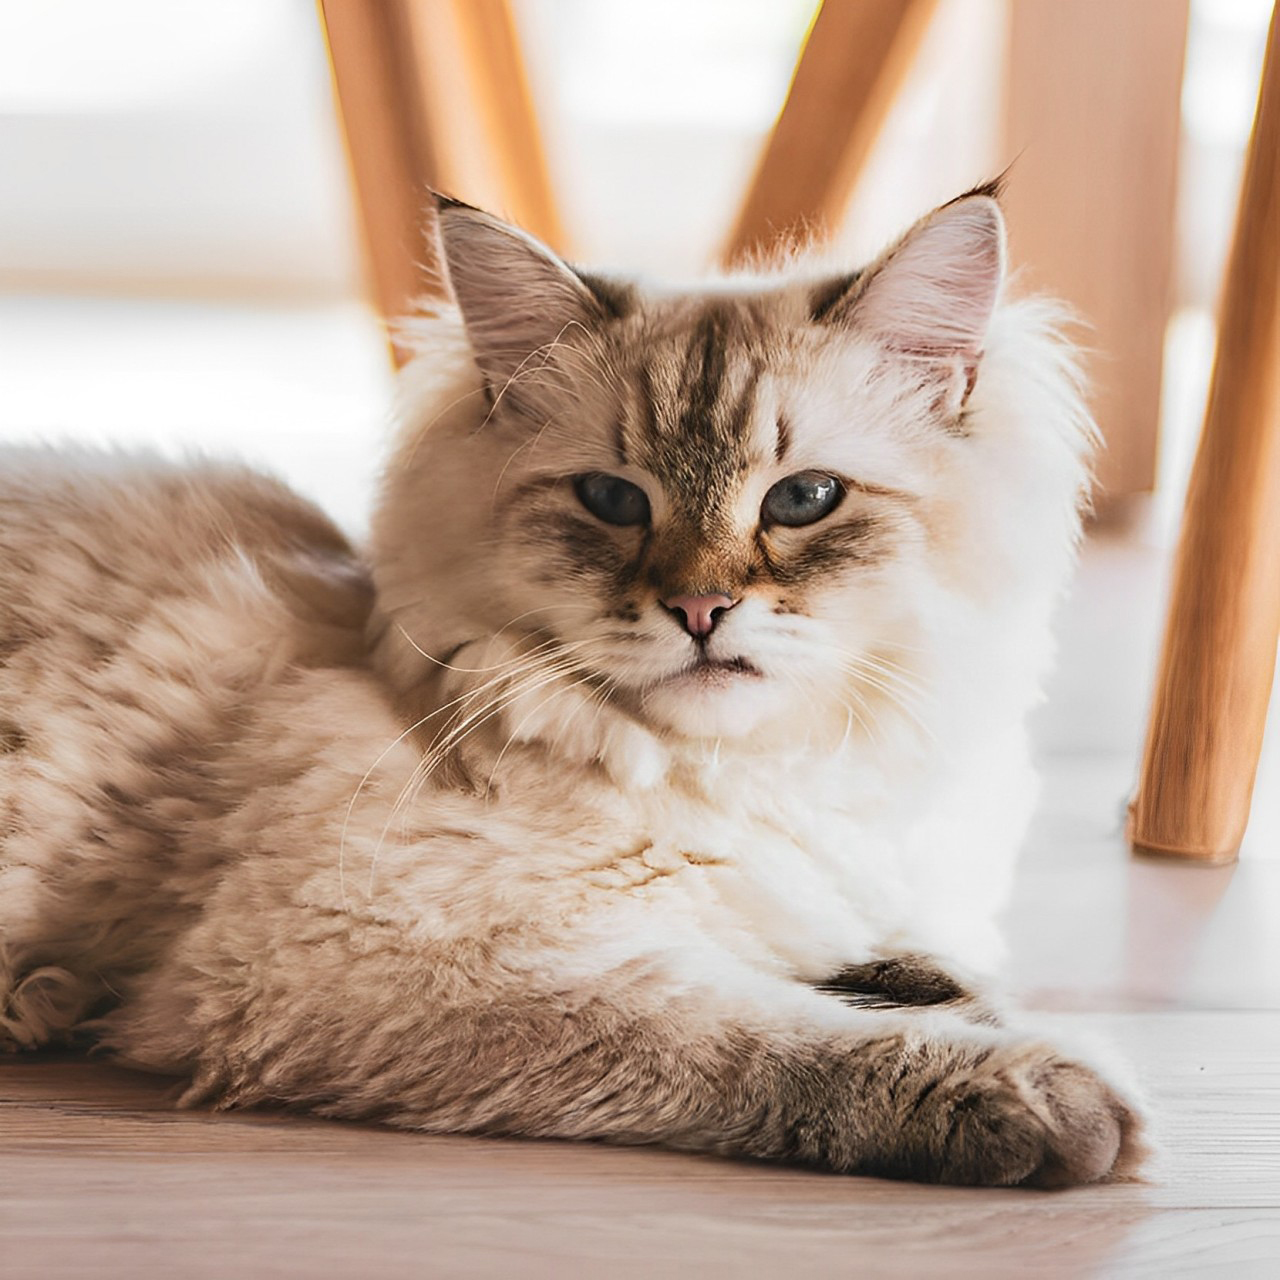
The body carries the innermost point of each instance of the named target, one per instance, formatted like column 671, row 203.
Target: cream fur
column 401, row 855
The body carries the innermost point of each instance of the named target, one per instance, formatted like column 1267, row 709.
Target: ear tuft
column 933, row 293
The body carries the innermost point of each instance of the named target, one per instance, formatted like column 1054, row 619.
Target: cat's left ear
column 517, row 298
column 931, row 296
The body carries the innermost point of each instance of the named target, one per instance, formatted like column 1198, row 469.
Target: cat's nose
column 699, row 614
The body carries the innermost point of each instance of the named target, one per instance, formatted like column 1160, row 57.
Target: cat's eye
column 612, row 499
column 802, row 498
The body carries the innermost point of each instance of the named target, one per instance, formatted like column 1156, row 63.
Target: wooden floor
column 1178, row 966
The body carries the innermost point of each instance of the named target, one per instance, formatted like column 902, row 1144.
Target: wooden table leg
column 1218, row 661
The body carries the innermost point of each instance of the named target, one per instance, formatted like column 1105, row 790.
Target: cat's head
column 725, row 508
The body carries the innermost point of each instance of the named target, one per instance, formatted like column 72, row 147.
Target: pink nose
column 700, row 613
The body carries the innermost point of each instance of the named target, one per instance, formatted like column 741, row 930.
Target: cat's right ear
column 517, row 298
column 931, row 294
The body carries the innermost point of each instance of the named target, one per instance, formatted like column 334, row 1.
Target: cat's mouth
column 707, row 670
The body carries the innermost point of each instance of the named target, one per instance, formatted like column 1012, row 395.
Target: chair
column 1213, row 683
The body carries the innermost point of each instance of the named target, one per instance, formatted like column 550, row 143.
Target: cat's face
column 718, row 504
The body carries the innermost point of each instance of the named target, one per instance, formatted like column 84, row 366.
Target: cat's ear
column 517, row 298
column 932, row 294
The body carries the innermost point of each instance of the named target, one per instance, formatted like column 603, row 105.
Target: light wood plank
column 1092, row 125
column 853, row 62
column 1214, row 681
column 98, row 1178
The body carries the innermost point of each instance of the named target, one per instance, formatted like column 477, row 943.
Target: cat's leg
column 746, row 1066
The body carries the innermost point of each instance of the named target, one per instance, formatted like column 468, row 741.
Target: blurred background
column 179, row 252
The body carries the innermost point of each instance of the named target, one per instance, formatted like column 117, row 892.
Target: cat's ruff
column 523, row 828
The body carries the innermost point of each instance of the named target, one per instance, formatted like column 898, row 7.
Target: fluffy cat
column 653, row 778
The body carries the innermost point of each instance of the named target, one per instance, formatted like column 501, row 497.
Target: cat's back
column 145, row 608
column 141, row 600
column 94, row 546
column 135, row 591
column 94, row 541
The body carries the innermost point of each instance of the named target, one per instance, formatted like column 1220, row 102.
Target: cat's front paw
column 1021, row 1115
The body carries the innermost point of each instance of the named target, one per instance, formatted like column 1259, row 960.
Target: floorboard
column 1178, row 968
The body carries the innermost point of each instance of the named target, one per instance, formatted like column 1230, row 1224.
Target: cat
column 653, row 776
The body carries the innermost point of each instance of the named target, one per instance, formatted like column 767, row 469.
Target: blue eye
column 802, row 498
column 612, row 499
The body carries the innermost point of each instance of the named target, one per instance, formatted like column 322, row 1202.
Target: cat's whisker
column 351, row 804
column 889, row 666
column 526, row 663
column 808, row 694
column 468, row 696
column 543, row 355
column 460, row 702
column 442, row 747
column 529, row 444
column 896, row 682
column 407, row 460
column 895, row 698
column 504, row 700
column 910, row 695
column 603, row 692
column 515, row 733
column 869, row 726
column 493, row 667
column 584, row 361
column 557, row 347
column 449, row 666
column 897, row 678
column 600, row 695
column 873, row 659
column 529, row 667
column 532, row 675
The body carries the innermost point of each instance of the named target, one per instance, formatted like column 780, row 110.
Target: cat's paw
column 1021, row 1115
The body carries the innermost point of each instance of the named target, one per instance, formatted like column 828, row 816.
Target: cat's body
column 508, row 844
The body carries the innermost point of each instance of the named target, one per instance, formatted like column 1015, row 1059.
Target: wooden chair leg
column 501, row 92
column 854, row 60
column 1218, row 661
column 433, row 93
column 389, row 151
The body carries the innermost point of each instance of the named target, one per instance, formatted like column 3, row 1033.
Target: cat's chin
column 721, row 700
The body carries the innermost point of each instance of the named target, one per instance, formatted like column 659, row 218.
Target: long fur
column 454, row 834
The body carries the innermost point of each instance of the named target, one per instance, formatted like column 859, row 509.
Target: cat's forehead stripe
column 784, row 438
column 698, row 395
